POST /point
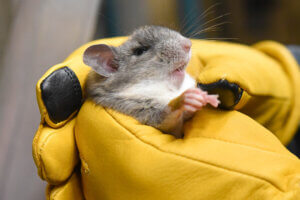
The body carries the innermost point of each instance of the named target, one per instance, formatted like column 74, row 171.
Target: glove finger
column 71, row 190
column 55, row 153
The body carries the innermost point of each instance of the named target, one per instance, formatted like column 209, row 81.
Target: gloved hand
column 224, row 154
column 266, row 88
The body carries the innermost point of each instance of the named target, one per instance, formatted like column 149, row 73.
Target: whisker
column 202, row 16
column 221, row 38
column 186, row 18
column 204, row 31
column 214, row 19
column 198, row 21
column 209, row 28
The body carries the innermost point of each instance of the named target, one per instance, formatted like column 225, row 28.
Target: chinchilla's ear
column 101, row 58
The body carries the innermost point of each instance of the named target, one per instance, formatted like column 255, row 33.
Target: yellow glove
column 266, row 88
column 224, row 155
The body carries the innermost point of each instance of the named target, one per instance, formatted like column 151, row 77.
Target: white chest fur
column 163, row 91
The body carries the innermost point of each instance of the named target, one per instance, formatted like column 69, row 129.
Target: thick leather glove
column 224, row 154
column 266, row 88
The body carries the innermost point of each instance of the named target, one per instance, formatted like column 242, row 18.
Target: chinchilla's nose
column 186, row 45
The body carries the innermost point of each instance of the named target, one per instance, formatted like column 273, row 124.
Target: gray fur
column 155, row 64
column 147, row 111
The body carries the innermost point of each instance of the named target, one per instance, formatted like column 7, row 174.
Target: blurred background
column 37, row 34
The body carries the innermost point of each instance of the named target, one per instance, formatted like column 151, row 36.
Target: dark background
column 246, row 21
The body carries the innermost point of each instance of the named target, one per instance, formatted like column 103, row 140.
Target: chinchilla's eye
column 140, row 50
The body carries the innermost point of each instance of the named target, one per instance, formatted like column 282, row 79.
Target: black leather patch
column 61, row 93
column 229, row 93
